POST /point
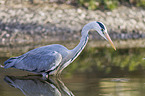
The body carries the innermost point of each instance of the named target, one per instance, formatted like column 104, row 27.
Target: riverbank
column 52, row 23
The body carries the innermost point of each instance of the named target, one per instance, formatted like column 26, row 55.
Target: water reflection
column 107, row 60
column 36, row 86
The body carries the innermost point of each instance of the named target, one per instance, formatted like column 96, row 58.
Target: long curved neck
column 84, row 39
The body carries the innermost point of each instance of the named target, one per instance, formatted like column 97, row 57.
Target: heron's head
column 102, row 30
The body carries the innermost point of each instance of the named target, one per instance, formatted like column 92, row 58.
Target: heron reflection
column 36, row 86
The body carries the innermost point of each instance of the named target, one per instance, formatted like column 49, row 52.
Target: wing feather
column 39, row 61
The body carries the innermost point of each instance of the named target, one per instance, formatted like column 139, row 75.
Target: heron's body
column 40, row 60
column 52, row 59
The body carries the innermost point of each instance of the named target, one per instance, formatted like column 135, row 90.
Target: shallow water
column 102, row 72
column 76, row 85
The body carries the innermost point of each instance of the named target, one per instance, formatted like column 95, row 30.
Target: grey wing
column 38, row 62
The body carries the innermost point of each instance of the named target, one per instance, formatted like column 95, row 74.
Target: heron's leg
column 54, row 72
column 45, row 75
column 58, row 74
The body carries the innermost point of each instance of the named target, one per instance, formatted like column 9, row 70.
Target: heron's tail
column 1, row 66
column 10, row 62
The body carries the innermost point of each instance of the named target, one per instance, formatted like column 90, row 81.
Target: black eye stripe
column 101, row 25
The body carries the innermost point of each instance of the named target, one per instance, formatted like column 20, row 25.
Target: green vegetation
column 89, row 4
column 109, row 4
column 99, row 4
column 106, row 60
column 141, row 3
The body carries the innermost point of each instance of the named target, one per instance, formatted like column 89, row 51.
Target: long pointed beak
column 110, row 41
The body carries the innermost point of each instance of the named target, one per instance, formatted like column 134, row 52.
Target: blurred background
column 28, row 24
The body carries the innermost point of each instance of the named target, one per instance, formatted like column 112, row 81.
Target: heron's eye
column 102, row 31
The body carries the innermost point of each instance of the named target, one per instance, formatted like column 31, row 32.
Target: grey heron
column 52, row 59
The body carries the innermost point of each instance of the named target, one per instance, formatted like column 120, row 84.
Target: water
column 96, row 72
column 76, row 85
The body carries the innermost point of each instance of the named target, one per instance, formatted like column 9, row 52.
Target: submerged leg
column 58, row 74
